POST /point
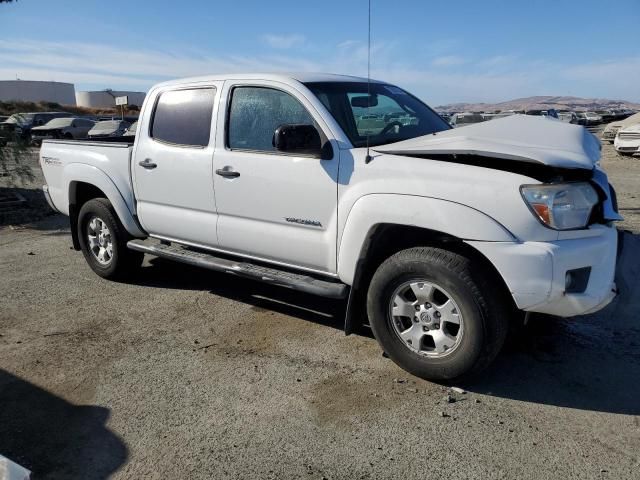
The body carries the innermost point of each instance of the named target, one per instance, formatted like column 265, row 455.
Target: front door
column 172, row 164
column 274, row 206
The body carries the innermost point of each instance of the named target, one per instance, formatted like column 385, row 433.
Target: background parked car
column 445, row 116
column 460, row 119
column 568, row 117
column 543, row 113
column 589, row 118
column 607, row 115
column 610, row 131
column 131, row 131
column 109, row 128
column 18, row 126
column 495, row 116
column 71, row 127
column 627, row 140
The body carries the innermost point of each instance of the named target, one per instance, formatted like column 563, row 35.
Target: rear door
column 271, row 205
column 172, row 163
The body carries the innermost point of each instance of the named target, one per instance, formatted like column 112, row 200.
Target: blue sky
column 460, row 50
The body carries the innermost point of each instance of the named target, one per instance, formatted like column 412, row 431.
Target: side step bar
column 295, row 281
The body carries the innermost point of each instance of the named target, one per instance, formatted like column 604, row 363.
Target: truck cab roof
column 290, row 77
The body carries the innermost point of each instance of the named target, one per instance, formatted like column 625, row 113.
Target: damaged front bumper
column 538, row 273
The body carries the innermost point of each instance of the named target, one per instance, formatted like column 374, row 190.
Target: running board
column 295, row 281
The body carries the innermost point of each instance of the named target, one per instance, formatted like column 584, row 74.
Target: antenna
column 367, row 159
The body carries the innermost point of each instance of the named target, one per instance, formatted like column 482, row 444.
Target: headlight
column 561, row 206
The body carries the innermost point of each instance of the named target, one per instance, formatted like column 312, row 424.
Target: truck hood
column 518, row 138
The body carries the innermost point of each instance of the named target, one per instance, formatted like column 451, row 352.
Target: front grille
column 629, row 135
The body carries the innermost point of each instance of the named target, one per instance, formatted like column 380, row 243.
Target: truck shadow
column 568, row 364
column 53, row 438
column 163, row 273
column 588, row 363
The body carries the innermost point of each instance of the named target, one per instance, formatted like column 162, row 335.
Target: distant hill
column 541, row 103
column 11, row 107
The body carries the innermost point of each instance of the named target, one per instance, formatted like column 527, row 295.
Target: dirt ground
column 183, row 373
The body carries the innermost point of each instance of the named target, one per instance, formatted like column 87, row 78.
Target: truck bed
column 97, row 162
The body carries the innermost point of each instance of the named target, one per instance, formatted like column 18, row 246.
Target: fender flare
column 444, row 216
column 79, row 172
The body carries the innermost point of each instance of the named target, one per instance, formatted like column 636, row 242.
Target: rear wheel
column 433, row 315
column 103, row 240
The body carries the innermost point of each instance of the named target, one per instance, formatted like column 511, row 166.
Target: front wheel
column 103, row 240
column 434, row 315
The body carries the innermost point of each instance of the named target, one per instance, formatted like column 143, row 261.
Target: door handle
column 148, row 164
column 227, row 172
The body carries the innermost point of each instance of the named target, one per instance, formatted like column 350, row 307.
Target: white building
column 36, row 91
column 107, row 98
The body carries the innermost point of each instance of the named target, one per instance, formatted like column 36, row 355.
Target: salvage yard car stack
column 65, row 127
column 627, row 141
column 109, row 128
column 611, row 130
column 19, row 125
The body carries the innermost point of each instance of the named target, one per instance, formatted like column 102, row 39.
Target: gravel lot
column 183, row 373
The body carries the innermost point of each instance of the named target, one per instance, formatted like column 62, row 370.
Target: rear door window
column 183, row 117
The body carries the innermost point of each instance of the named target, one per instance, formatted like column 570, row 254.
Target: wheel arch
column 442, row 218
column 87, row 182
column 382, row 242
column 379, row 240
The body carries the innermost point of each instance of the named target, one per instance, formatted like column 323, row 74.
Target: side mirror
column 303, row 139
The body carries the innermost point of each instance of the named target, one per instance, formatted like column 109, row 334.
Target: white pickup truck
column 438, row 237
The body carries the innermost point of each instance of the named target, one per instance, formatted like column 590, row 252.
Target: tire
column 476, row 303
column 108, row 255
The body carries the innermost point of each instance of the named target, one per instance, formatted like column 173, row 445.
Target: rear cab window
column 183, row 117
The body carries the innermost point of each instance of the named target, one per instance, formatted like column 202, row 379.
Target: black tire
column 122, row 261
column 484, row 309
